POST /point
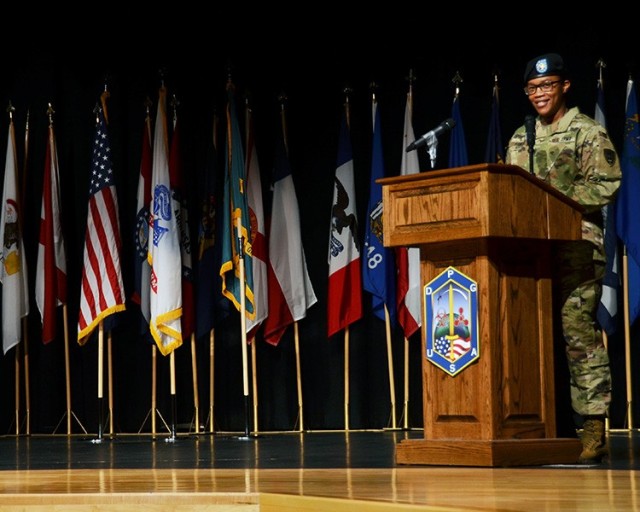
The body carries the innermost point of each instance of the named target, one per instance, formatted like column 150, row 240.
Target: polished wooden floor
column 311, row 471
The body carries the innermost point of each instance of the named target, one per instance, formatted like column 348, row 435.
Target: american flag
column 102, row 291
column 452, row 350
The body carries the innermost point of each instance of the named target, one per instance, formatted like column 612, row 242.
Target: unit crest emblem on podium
column 451, row 305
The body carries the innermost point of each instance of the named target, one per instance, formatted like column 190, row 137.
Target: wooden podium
column 495, row 224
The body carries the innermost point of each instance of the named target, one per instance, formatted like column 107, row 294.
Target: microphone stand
column 530, row 128
column 432, row 148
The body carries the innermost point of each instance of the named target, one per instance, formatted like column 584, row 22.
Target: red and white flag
column 258, row 232
column 164, row 243
column 51, row 271
column 13, row 270
column 290, row 289
column 102, row 289
column 408, row 259
column 344, row 293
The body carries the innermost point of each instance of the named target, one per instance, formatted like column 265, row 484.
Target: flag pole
column 346, row 378
column 110, row 383
column 25, row 323
column 17, row 389
column 243, row 327
column 392, row 386
column 67, row 366
column 172, row 369
column 194, row 373
column 100, row 379
column 254, row 367
column 153, row 389
column 405, row 405
column 10, row 110
column 298, row 376
column 26, row 158
column 346, row 329
column 211, row 375
column 103, row 100
column 27, row 401
column 627, row 339
column 254, row 385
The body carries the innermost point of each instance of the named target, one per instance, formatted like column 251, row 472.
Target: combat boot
column 594, row 442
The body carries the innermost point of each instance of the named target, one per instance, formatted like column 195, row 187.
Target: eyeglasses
column 544, row 87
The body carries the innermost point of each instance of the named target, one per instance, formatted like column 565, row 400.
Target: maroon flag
column 51, row 272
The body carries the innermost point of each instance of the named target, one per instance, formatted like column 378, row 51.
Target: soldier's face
column 548, row 97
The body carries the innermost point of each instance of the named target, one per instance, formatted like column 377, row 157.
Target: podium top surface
column 484, row 167
column 475, row 202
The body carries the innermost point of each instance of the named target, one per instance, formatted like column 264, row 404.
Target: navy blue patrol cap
column 548, row 64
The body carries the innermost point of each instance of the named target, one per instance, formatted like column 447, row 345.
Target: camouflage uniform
column 576, row 156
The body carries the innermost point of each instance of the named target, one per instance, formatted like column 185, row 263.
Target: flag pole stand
column 153, row 410
column 69, row 414
column 243, row 333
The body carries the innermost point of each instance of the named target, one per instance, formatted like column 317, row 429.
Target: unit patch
column 451, row 305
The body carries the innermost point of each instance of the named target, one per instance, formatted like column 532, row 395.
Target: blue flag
column 608, row 308
column 211, row 305
column 378, row 272
column 458, row 145
column 627, row 211
column 495, row 148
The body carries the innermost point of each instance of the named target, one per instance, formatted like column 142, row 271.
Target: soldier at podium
column 574, row 154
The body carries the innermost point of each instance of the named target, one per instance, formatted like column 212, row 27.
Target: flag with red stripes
column 102, row 290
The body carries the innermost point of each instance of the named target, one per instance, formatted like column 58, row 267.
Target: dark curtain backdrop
column 312, row 68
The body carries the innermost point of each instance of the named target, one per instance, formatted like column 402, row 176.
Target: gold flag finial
column 50, row 113
column 600, row 64
column 96, row 109
column 457, row 80
column 175, row 103
column 147, row 105
column 373, row 87
column 282, row 99
column 10, row 109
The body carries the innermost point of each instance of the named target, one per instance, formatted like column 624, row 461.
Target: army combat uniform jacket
column 576, row 156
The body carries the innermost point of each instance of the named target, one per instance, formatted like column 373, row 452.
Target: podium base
column 491, row 453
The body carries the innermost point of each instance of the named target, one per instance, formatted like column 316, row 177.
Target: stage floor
column 213, row 471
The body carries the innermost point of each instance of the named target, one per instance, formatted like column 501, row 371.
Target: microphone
column 444, row 126
column 530, row 127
